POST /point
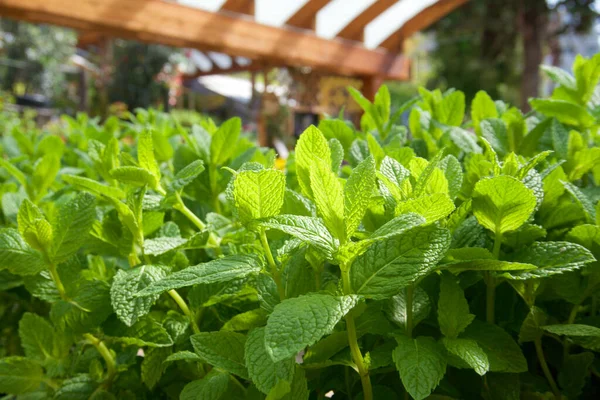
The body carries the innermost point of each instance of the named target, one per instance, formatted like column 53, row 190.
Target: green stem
column 410, row 291
column 184, row 307
column 212, row 176
column 570, row 320
column 59, row 285
column 274, row 270
column 363, row 370
column 111, row 365
column 542, row 359
column 188, row 213
column 490, row 294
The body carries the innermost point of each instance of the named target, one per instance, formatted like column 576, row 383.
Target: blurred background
column 280, row 65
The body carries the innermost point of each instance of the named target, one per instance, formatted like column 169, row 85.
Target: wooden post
column 261, row 127
column 370, row 85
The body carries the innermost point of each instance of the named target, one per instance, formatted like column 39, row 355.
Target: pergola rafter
column 306, row 16
column 355, row 29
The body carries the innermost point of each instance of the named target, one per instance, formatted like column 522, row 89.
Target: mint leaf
column 394, row 263
column 223, row 141
column 582, row 200
column 153, row 365
column 135, row 176
column 574, row 373
column 264, row 372
column 531, row 329
column 432, row 207
column 469, row 352
column 19, row 375
column 421, row 307
column 329, row 198
column 72, row 225
column 124, row 287
column 17, row 256
column 94, row 187
column 145, row 154
column 311, row 148
column 212, row 387
column 453, row 309
column 302, row 321
column 258, row 194
column 503, row 353
column 482, row 107
column 37, row 337
column 357, row 194
column 586, row 336
column 421, row 364
column 308, row 229
column 223, row 350
column 565, row 111
column 502, row 204
column 219, row 270
column 186, row 175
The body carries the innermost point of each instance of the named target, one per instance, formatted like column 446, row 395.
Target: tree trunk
column 533, row 24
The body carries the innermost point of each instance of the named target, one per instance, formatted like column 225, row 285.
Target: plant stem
column 490, row 283
column 490, row 294
column 111, row 365
column 542, row 359
column 363, row 370
column 274, row 271
column 188, row 213
column 184, row 307
column 410, row 291
column 56, row 278
column 572, row 317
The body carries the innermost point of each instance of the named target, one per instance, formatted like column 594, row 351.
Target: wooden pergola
column 233, row 30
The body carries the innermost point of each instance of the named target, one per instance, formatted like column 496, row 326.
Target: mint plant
column 449, row 258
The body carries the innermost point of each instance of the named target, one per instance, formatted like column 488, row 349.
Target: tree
column 498, row 45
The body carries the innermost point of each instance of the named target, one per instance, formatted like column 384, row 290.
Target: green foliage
column 157, row 261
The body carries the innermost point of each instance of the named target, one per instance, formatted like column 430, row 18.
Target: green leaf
column 17, row 256
column 146, row 158
column 302, row 321
column 432, row 207
column 586, row 336
column 565, row 111
column 212, row 387
column 482, row 107
column 34, row 227
column 452, row 109
column 551, row 258
column 308, row 229
column 421, row 364
column 186, row 175
column 19, row 375
column 153, row 365
column 146, row 332
column 124, row 287
column 78, row 387
column 357, row 194
column 581, row 199
column 134, row 176
column 215, row 271
column 502, row 204
column 72, row 225
column 311, row 148
column 503, row 353
column 531, row 329
column 560, row 76
column 421, row 306
column 574, row 374
column 223, row 350
column 454, row 174
column 183, row 355
column 258, row 194
column 224, row 140
column 494, row 131
column 469, row 352
column 37, row 337
column 162, row 245
column 264, row 372
column 246, row 320
column 329, row 198
column 392, row 264
column 94, row 187
column 453, row 309
column 337, row 154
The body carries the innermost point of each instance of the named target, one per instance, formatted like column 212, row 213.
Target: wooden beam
column 421, row 21
column 239, row 6
column 158, row 21
column 355, row 29
column 254, row 66
column 306, row 16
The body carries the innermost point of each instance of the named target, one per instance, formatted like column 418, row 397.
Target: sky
column 333, row 17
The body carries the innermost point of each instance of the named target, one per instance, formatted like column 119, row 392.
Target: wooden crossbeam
column 306, row 16
column 421, row 21
column 168, row 23
column 239, row 6
column 355, row 29
column 254, row 66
